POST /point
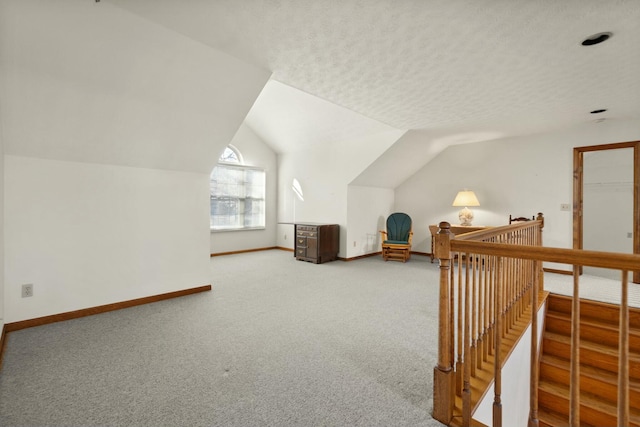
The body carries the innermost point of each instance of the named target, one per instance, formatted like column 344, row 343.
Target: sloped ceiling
column 281, row 115
column 452, row 71
column 446, row 72
column 90, row 82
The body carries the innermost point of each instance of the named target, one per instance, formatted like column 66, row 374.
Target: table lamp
column 466, row 198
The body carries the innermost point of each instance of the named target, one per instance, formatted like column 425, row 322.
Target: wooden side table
column 455, row 230
column 317, row 243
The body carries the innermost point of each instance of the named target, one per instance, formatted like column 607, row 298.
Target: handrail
column 612, row 260
column 497, row 231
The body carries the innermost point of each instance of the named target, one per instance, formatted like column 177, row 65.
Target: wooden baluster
column 481, row 314
column 574, row 375
column 487, row 314
column 503, row 283
column 514, row 293
column 522, row 289
column 474, row 314
column 519, row 288
column 506, row 294
column 527, row 282
column 515, row 312
column 531, row 277
column 623, row 359
column 452, row 308
column 492, row 328
column 497, row 387
column 459, row 331
column 538, row 237
column 534, row 368
column 443, row 374
column 504, row 288
column 466, row 384
column 509, row 282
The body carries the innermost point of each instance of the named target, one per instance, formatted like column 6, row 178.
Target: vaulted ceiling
column 440, row 72
column 455, row 70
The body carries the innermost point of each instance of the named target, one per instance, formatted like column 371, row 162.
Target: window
column 230, row 155
column 237, row 194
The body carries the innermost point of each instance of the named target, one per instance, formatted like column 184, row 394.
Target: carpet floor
column 277, row 342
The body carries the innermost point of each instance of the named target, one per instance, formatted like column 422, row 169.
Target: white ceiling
column 281, row 116
column 79, row 82
column 450, row 71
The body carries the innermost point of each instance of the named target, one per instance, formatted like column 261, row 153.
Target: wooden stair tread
column 589, row 371
column 591, row 330
column 591, row 407
column 553, row 419
column 589, row 321
column 605, row 312
column 599, row 382
column 599, row 335
column 584, row 344
column 597, row 355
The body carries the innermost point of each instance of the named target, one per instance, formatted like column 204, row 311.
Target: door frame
column 578, row 197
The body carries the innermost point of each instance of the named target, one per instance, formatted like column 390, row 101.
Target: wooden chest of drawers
column 317, row 243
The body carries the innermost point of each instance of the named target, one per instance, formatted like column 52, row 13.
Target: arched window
column 230, row 155
column 237, row 193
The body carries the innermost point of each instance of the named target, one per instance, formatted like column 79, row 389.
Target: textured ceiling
column 447, row 68
column 280, row 107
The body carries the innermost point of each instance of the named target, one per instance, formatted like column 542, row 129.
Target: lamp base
column 465, row 216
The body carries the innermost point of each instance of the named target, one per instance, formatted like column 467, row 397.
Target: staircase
column 598, row 364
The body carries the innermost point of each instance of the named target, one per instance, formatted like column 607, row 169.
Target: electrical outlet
column 630, row 235
column 565, row 207
column 354, row 243
column 285, row 237
column 27, row 290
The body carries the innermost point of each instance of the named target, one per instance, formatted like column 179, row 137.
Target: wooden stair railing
column 477, row 314
column 490, row 282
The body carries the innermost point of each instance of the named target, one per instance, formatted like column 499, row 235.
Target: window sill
column 225, row 230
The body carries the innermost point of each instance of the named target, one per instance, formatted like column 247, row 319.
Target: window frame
column 244, row 168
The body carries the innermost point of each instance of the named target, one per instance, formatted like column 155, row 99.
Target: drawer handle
column 300, row 241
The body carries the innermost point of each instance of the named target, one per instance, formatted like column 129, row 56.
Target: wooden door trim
column 578, row 184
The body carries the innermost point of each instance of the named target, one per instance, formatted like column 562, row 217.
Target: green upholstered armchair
column 396, row 240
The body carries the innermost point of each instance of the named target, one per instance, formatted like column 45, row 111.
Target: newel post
column 443, row 373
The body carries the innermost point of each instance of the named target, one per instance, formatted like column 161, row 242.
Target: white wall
column 516, row 375
column 324, row 174
column 255, row 153
column 111, row 125
column 1, row 229
column 86, row 235
column 367, row 212
column 520, row 176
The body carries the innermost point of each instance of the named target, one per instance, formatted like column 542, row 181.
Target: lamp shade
column 466, row 198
